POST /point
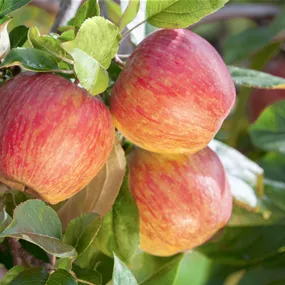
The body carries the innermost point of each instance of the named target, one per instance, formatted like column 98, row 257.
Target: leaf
column 179, row 13
column 12, row 199
column 12, row 5
column 148, row 268
column 263, row 276
column 4, row 37
column 81, row 231
column 89, row 275
column 243, row 174
column 37, row 223
column 121, row 274
column 30, row 59
column 67, row 36
column 252, row 39
column 92, row 76
column 268, row 131
column 87, row 10
column 113, row 11
column 100, row 194
column 61, row 277
column 98, row 38
column 33, row 276
column 119, row 232
column 257, row 79
column 247, row 245
column 18, row 36
column 5, row 219
column 64, row 263
column 46, row 43
column 129, row 14
column 11, row 274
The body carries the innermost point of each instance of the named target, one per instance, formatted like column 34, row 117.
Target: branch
column 232, row 11
column 67, row 10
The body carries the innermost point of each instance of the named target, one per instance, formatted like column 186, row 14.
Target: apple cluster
column 170, row 100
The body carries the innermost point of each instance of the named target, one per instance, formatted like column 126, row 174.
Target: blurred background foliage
column 251, row 249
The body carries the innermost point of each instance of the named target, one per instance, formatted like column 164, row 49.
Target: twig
column 119, row 61
column 67, row 10
column 123, row 55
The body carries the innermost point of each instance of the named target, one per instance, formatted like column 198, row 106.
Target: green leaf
column 67, row 36
column 5, row 219
column 100, row 194
column 64, row 263
column 268, row 131
column 263, row 276
column 33, row 276
column 11, row 274
column 92, row 76
column 244, row 175
column 179, row 13
column 12, row 199
column 12, row 5
column 129, row 14
column 252, row 39
column 121, row 274
column 61, row 277
column 274, row 166
column 18, row 36
column 87, row 10
column 4, row 37
column 166, row 274
column 119, row 232
column 85, row 274
column 46, row 43
column 245, row 245
column 81, row 231
column 113, row 11
column 258, row 79
column 30, row 59
column 98, row 38
column 37, row 223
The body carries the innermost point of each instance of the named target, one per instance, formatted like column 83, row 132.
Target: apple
column 262, row 98
column 54, row 137
column 183, row 199
column 173, row 94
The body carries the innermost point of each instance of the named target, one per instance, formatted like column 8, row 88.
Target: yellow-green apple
column 262, row 98
column 54, row 137
column 183, row 199
column 173, row 94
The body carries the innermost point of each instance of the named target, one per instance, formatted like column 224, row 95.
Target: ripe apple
column 262, row 98
column 54, row 137
column 182, row 199
column 173, row 94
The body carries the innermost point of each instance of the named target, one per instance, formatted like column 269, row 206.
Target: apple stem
column 119, row 61
column 129, row 31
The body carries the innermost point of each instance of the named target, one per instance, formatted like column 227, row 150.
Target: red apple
column 262, row 98
column 182, row 199
column 173, row 94
column 54, row 137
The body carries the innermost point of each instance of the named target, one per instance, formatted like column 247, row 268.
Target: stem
column 63, row 71
column 69, row 61
column 84, row 281
column 53, row 261
column 119, row 61
column 123, row 55
column 129, row 31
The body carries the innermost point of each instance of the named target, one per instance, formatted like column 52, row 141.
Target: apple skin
column 54, row 137
column 183, row 199
column 173, row 94
column 262, row 98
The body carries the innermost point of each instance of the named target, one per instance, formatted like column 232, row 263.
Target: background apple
column 54, row 137
column 182, row 199
column 173, row 94
column 262, row 98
